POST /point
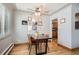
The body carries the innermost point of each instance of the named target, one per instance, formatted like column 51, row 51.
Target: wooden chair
column 30, row 43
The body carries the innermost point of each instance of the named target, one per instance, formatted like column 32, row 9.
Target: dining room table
column 39, row 40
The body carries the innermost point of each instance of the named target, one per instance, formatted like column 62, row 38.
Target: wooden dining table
column 39, row 40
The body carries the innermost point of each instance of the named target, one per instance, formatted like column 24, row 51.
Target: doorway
column 55, row 30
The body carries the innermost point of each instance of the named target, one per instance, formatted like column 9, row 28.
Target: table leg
column 36, row 48
column 46, row 46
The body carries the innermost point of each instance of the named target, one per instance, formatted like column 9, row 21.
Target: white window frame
column 2, row 22
column 3, row 33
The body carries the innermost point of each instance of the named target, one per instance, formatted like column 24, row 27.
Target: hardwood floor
column 54, row 49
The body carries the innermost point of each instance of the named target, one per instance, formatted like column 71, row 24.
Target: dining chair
column 30, row 43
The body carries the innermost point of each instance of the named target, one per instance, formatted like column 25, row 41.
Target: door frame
column 53, row 20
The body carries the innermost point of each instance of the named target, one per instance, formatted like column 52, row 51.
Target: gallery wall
column 21, row 31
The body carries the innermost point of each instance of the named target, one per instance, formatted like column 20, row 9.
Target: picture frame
column 24, row 22
column 29, row 19
column 40, row 23
column 76, row 24
column 77, row 21
column 62, row 20
column 34, row 27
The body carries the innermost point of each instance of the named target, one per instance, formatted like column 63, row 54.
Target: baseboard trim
column 65, row 47
column 9, row 49
column 6, row 51
column 71, row 49
column 75, row 48
column 20, row 43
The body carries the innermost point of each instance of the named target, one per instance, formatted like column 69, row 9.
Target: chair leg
column 28, row 46
column 30, row 49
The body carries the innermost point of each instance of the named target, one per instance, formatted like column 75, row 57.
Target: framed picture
column 24, row 22
column 34, row 27
column 30, row 23
column 40, row 23
column 34, row 23
column 62, row 20
column 77, row 21
column 29, row 19
column 77, row 25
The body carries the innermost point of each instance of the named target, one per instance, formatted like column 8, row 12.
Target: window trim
column 3, row 34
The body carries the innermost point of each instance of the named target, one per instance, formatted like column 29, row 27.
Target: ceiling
column 51, row 7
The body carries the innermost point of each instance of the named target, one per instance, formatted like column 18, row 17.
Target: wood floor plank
column 54, row 49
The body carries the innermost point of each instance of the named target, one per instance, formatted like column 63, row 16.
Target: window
column 4, row 21
column 0, row 24
column 1, row 18
column 6, row 26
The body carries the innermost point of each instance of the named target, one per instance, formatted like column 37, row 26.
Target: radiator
column 8, row 49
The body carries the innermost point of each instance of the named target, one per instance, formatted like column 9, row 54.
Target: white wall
column 64, row 29
column 75, row 32
column 20, row 30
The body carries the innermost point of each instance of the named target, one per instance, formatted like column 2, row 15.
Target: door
column 54, row 28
